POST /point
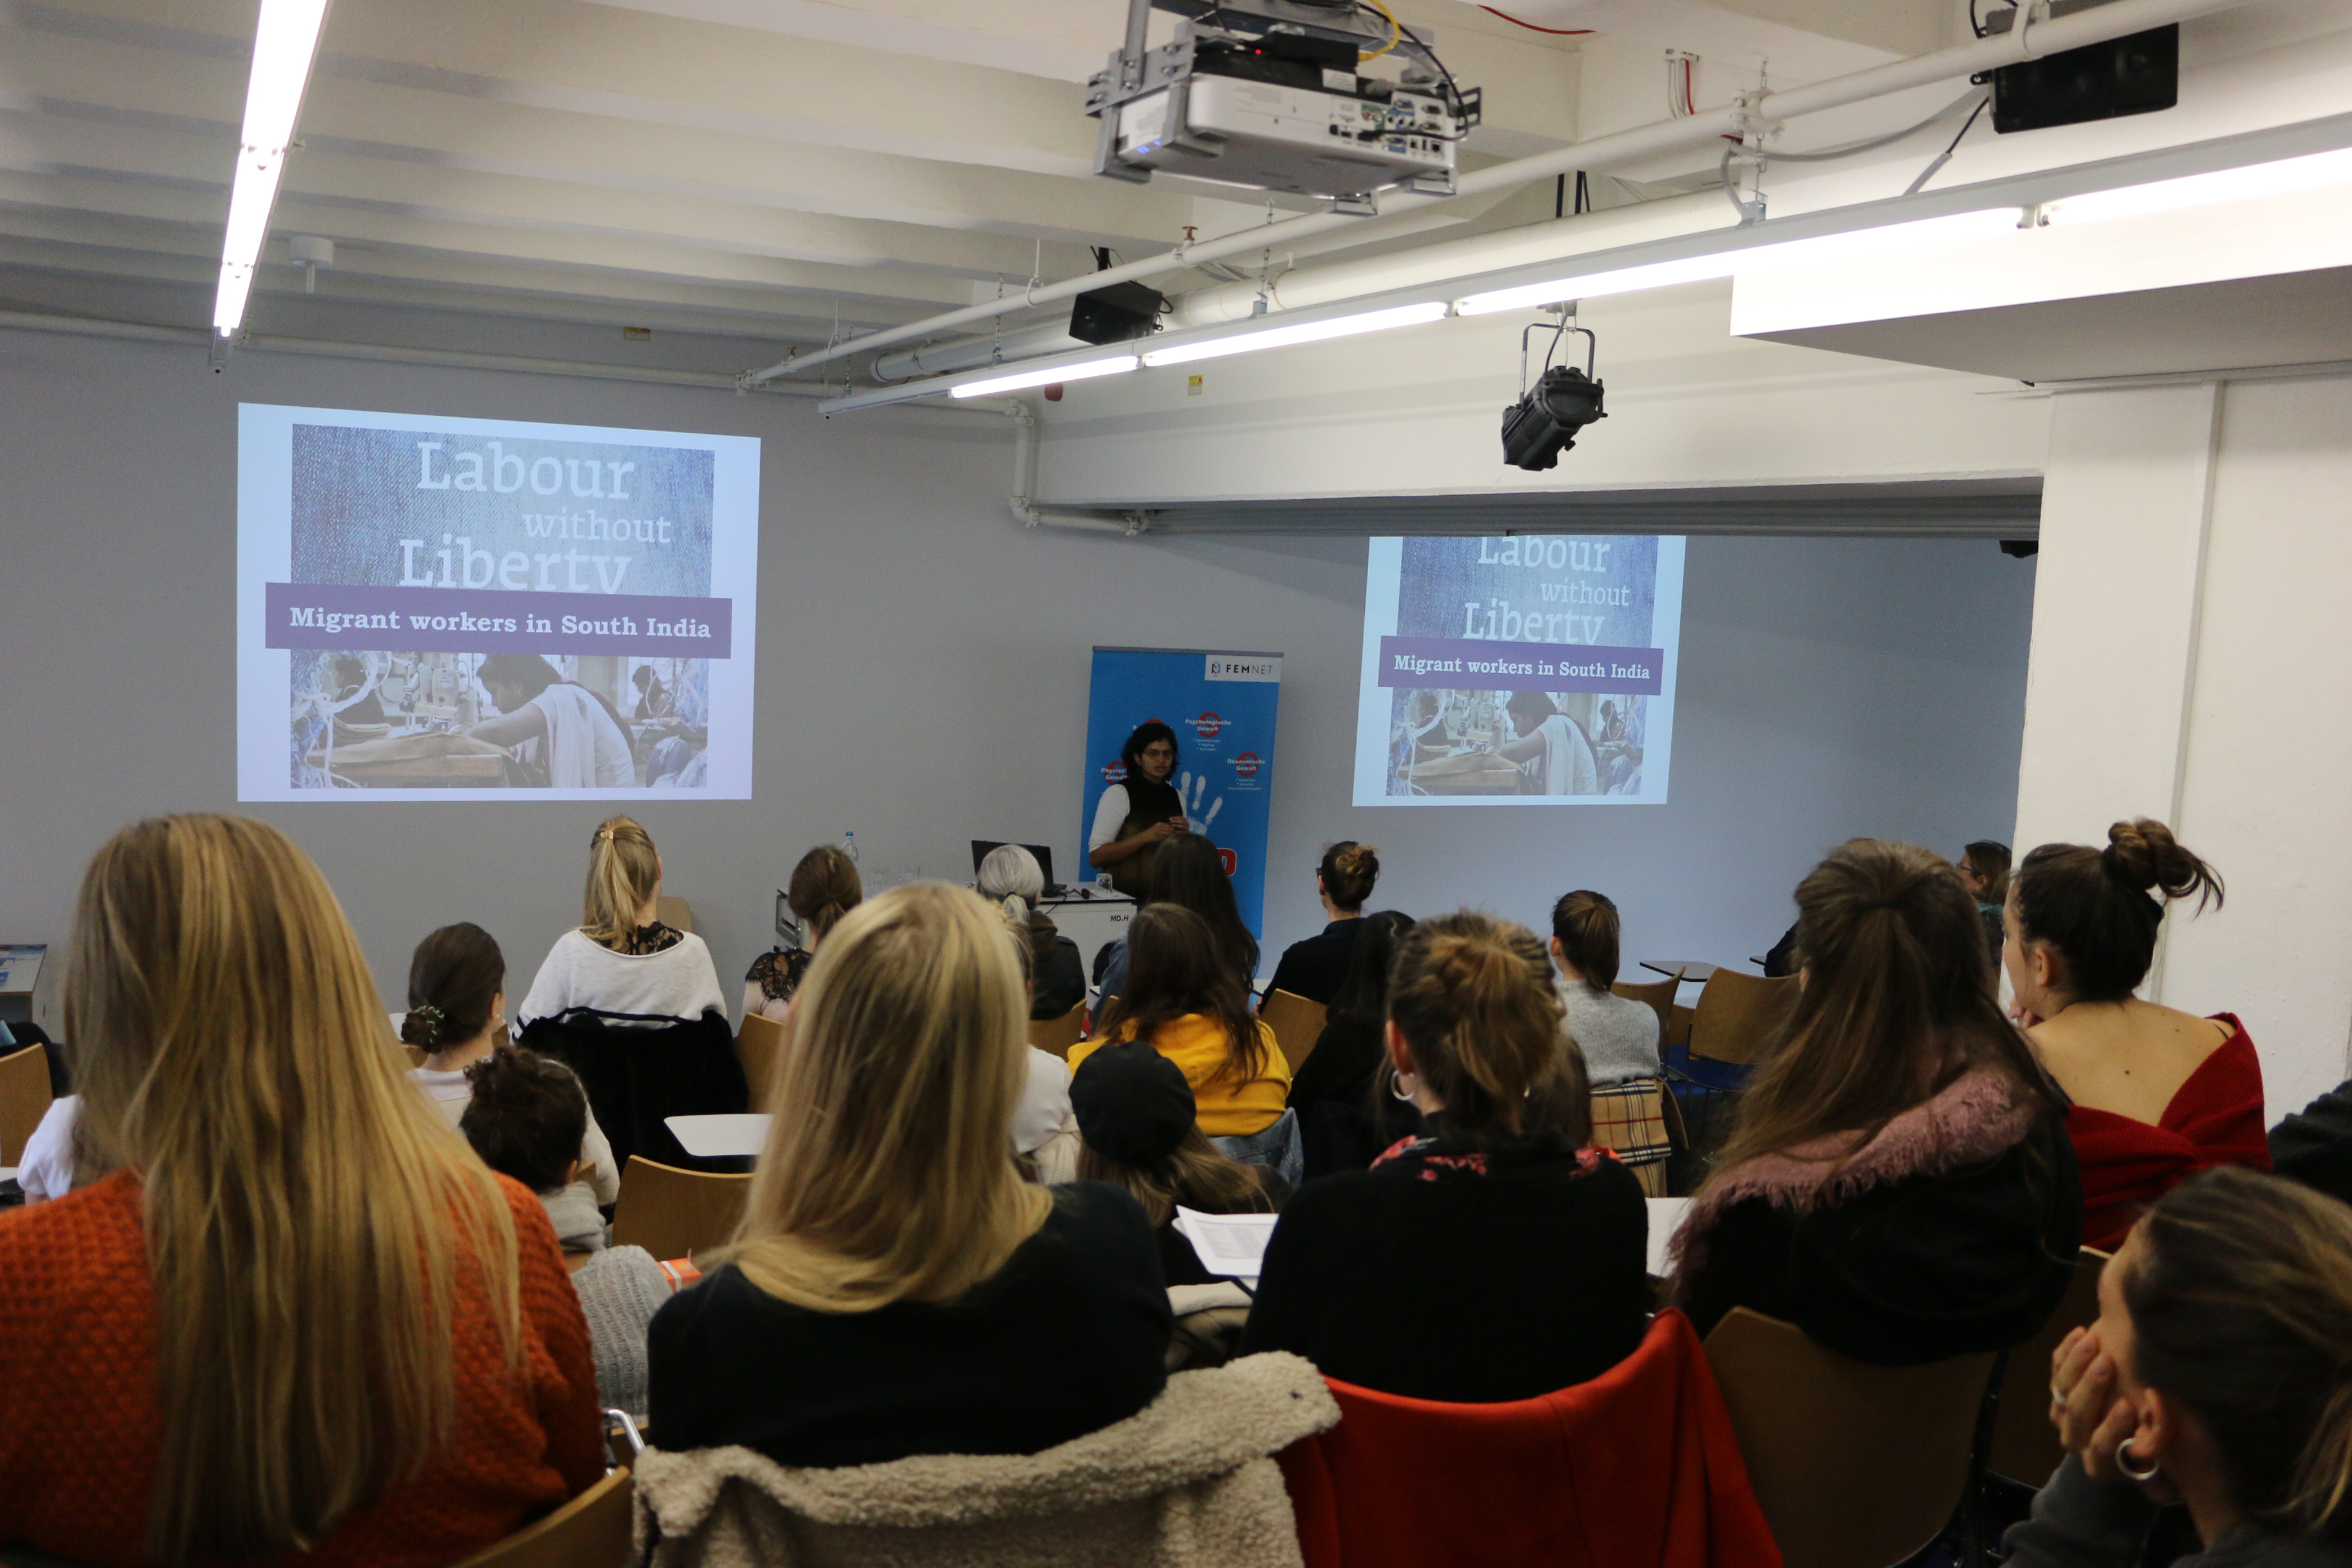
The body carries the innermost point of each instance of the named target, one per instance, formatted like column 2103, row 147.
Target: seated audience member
column 1316, row 967
column 1011, row 876
column 1984, row 867
column 895, row 1287
column 2313, row 1145
column 1898, row 1183
column 1191, row 874
column 45, row 1167
column 1493, row 1258
column 1135, row 1113
column 621, row 958
column 457, row 1016
column 526, row 1119
column 291, row 1312
column 2157, row 1093
column 1619, row 1036
column 2217, row 1375
column 1346, row 1061
column 824, row 887
column 1182, row 997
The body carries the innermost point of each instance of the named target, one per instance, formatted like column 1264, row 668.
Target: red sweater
column 2215, row 1118
column 81, row 1426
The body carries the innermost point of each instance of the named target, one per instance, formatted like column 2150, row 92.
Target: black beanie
column 1132, row 1103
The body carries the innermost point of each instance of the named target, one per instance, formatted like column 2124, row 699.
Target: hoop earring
column 2123, row 1457
column 1397, row 1087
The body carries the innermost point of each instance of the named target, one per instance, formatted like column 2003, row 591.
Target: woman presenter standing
column 1136, row 816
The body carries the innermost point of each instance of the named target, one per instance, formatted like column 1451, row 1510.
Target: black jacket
column 1914, row 1270
column 1059, row 983
column 2314, row 1145
column 639, row 1075
column 1068, row 1337
column 1430, row 1277
column 1314, row 968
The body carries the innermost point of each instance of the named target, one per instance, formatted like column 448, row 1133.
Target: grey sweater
column 1620, row 1036
column 620, row 1289
column 2078, row 1523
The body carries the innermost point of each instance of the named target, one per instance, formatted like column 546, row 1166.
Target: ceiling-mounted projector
column 1267, row 94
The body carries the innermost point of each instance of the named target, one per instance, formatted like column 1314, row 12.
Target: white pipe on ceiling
column 2036, row 35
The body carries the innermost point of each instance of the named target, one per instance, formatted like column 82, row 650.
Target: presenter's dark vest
column 1147, row 802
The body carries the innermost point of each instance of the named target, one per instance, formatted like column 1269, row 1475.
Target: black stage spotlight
column 1546, row 422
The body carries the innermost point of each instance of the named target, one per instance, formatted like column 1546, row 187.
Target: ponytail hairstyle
column 1585, row 924
column 1349, row 869
column 1010, row 879
column 2240, row 1293
column 452, row 981
column 824, row 887
column 1898, row 1001
column 1175, row 968
column 1989, row 858
column 526, row 1117
column 2100, row 909
column 1473, row 997
column 623, row 873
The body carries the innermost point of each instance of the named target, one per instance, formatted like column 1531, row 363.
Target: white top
column 585, row 749
column 1569, row 767
column 1045, row 1101
column 450, row 1091
column 1109, row 812
column 47, row 1169
column 679, row 981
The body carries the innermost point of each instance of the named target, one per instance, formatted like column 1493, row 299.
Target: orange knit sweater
column 80, row 1428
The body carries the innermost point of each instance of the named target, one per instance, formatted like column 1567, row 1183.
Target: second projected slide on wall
column 1526, row 669
column 479, row 609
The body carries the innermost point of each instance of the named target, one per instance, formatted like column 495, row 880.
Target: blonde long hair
column 623, row 872
column 307, row 1213
column 888, row 1172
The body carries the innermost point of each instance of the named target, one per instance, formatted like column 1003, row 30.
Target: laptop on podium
column 980, row 846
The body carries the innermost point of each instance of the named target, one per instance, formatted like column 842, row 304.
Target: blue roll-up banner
column 1222, row 706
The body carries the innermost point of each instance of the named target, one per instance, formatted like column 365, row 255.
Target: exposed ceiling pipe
column 938, row 359
column 2036, row 35
column 1025, row 487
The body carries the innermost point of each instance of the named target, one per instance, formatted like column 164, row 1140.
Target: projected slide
column 479, row 609
column 1528, row 670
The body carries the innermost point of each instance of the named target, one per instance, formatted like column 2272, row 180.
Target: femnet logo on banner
column 1518, row 670
column 479, row 609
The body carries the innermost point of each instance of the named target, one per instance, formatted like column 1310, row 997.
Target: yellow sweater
column 1196, row 1043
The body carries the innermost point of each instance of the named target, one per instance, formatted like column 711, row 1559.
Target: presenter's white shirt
column 450, row 1093
column 585, row 749
column 675, row 983
column 1109, row 812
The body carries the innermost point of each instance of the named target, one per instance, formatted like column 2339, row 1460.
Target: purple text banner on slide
column 475, row 620
column 1484, row 664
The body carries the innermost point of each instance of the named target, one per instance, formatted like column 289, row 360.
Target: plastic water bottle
column 849, row 847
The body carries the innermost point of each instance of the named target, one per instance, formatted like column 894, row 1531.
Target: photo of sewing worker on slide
column 470, row 720
column 1515, row 743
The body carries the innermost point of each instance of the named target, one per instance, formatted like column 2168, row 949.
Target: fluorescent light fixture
column 1854, row 245
column 2283, row 177
column 284, row 44
column 1060, row 373
column 1304, row 332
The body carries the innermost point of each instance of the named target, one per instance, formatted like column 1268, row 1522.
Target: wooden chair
column 1054, row 1036
column 757, row 1045
column 23, row 1100
column 676, row 1213
column 1855, row 1465
column 1296, row 1023
column 591, row 1531
column 1658, row 998
column 2024, row 1446
column 1739, row 1015
column 676, row 913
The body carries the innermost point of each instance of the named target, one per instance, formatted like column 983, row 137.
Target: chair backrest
column 591, row 1531
column 1740, row 1015
column 1658, row 998
column 1855, row 1465
column 1296, row 1023
column 1054, row 1036
column 24, row 1100
column 757, row 1045
column 2025, row 1446
column 676, row 913
column 676, row 1213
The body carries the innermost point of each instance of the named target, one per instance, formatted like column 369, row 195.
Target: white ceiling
column 721, row 170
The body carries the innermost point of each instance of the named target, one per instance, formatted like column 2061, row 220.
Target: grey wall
column 923, row 672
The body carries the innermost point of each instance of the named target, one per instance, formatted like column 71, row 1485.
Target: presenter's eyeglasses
column 1162, row 752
